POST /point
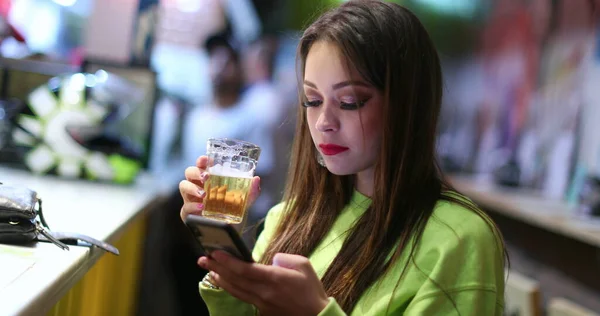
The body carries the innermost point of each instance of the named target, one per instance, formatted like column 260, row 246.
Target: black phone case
column 197, row 223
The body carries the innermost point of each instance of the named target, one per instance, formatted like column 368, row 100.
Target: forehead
column 325, row 63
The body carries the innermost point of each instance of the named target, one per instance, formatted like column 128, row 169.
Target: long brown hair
column 391, row 50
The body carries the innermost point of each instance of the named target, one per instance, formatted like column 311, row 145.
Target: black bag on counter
column 22, row 222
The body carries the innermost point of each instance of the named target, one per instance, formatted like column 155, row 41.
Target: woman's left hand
column 288, row 287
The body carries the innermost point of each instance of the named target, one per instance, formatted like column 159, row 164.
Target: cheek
column 371, row 130
column 311, row 120
column 372, row 137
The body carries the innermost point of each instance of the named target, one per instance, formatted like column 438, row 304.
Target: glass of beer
column 231, row 167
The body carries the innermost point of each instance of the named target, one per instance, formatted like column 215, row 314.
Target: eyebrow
column 339, row 85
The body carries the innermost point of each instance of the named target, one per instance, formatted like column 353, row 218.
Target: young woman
column 367, row 225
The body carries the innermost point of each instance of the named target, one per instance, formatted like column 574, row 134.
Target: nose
column 328, row 120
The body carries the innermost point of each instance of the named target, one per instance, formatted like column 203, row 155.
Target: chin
column 339, row 170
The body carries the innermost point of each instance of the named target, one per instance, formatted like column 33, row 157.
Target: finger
column 191, row 192
column 202, row 162
column 202, row 262
column 240, row 281
column 254, row 190
column 260, row 294
column 255, row 271
column 290, row 261
column 195, row 175
column 293, row 262
column 235, row 291
column 191, row 208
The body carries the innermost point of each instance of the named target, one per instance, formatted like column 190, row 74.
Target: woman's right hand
column 192, row 188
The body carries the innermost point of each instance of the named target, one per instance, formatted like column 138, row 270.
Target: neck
column 365, row 182
column 226, row 100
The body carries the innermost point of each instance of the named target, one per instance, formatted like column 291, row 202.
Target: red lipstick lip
column 332, row 149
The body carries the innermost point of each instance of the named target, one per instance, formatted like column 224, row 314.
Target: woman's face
column 344, row 112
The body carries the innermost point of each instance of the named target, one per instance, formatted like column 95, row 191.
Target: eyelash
column 343, row 105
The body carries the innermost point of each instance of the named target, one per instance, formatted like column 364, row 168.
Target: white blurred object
column 564, row 307
column 163, row 135
column 527, row 159
column 189, row 5
column 39, row 22
column 111, row 41
column 558, row 169
column 590, row 119
column 11, row 48
column 244, row 20
column 182, row 71
column 522, row 295
column 65, row 3
column 559, row 108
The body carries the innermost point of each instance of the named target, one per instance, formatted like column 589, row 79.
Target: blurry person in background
column 219, row 115
column 258, row 64
column 232, row 112
column 225, row 71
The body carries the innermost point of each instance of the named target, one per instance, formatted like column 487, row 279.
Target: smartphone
column 215, row 235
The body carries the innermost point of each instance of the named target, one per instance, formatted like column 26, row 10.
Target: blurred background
column 140, row 85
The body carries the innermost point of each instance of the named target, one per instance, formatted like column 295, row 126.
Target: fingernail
column 212, row 274
column 201, row 193
column 203, row 176
column 202, row 262
column 200, row 206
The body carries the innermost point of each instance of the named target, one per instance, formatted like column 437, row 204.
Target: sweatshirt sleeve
column 469, row 301
column 463, row 274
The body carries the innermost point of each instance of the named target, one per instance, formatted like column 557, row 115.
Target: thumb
column 254, row 191
column 294, row 262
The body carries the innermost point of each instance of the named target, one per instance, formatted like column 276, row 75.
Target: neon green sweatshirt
column 458, row 257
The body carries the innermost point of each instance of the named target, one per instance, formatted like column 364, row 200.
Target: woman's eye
column 352, row 105
column 309, row 104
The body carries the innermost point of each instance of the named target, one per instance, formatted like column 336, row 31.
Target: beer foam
column 233, row 147
column 226, row 171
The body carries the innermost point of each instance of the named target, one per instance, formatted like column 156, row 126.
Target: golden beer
column 226, row 198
